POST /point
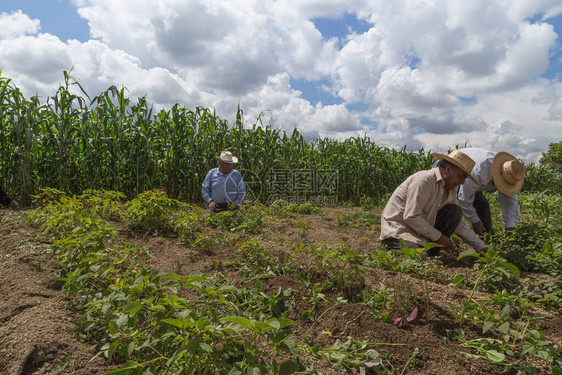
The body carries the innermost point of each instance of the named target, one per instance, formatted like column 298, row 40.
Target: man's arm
column 468, row 235
column 206, row 188
column 467, row 192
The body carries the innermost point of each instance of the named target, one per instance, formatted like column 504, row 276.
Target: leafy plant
column 532, row 247
column 543, row 205
column 354, row 354
column 381, row 300
column 226, row 220
column 150, row 211
column 364, row 220
column 493, row 268
column 340, row 265
column 417, row 354
column 139, row 314
column 107, row 204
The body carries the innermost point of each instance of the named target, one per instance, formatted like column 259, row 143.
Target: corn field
column 74, row 143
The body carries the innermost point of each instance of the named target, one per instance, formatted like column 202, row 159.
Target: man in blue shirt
column 224, row 185
column 493, row 170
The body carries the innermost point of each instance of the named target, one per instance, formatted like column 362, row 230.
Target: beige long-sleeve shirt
column 412, row 209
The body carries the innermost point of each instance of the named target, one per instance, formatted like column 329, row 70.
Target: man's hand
column 212, row 205
column 445, row 242
column 478, row 227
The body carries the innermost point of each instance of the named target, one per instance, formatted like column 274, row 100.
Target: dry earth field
column 38, row 330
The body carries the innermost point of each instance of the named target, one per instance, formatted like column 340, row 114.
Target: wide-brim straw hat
column 508, row 173
column 226, row 156
column 460, row 159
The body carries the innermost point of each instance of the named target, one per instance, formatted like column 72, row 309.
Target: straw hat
column 461, row 160
column 508, row 173
column 226, row 156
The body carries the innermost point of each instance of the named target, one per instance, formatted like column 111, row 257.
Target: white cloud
column 38, row 59
column 17, row 24
column 286, row 109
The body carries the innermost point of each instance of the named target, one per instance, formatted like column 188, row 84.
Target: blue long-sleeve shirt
column 482, row 172
column 223, row 188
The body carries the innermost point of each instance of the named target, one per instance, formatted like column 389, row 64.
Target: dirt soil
column 38, row 331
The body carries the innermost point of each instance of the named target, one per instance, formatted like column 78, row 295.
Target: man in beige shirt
column 424, row 208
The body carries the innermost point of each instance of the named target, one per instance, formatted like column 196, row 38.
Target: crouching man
column 424, row 208
column 223, row 186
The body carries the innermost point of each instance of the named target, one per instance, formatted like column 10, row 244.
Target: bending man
column 492, row 171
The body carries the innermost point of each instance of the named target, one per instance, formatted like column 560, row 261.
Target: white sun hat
column 226, row 156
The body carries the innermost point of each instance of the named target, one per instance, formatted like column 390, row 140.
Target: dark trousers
column 447, row 220
column 482, row 207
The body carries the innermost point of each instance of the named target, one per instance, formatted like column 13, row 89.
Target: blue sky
column 406, row 73
column 57, row 17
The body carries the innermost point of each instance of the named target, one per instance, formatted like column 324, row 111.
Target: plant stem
column 471, row 294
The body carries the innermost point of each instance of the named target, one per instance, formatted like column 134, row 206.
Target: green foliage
column 546, row 292
column 553, row 157
column 47, row 196
column 246, row 220
column 510, row 332
column 544, row 206
column 188, row 225
column 114, row 143
column 381, row 300
column 542, row 178
column 225, row 220
column 363, row 220
column 278, row 206
column 496, row 273
column 62, row 218
column 354, row 354
column 533, row 247
column 407, row 261
column 340, row 264
column 107, row 204
column 368, row 203
column 206, row 243
column 150, row 211
column 305, row 208
column 508, row 318
column 256, row 255
column 140, row 314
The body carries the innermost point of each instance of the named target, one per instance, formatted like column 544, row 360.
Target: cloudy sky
column 414, row 73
